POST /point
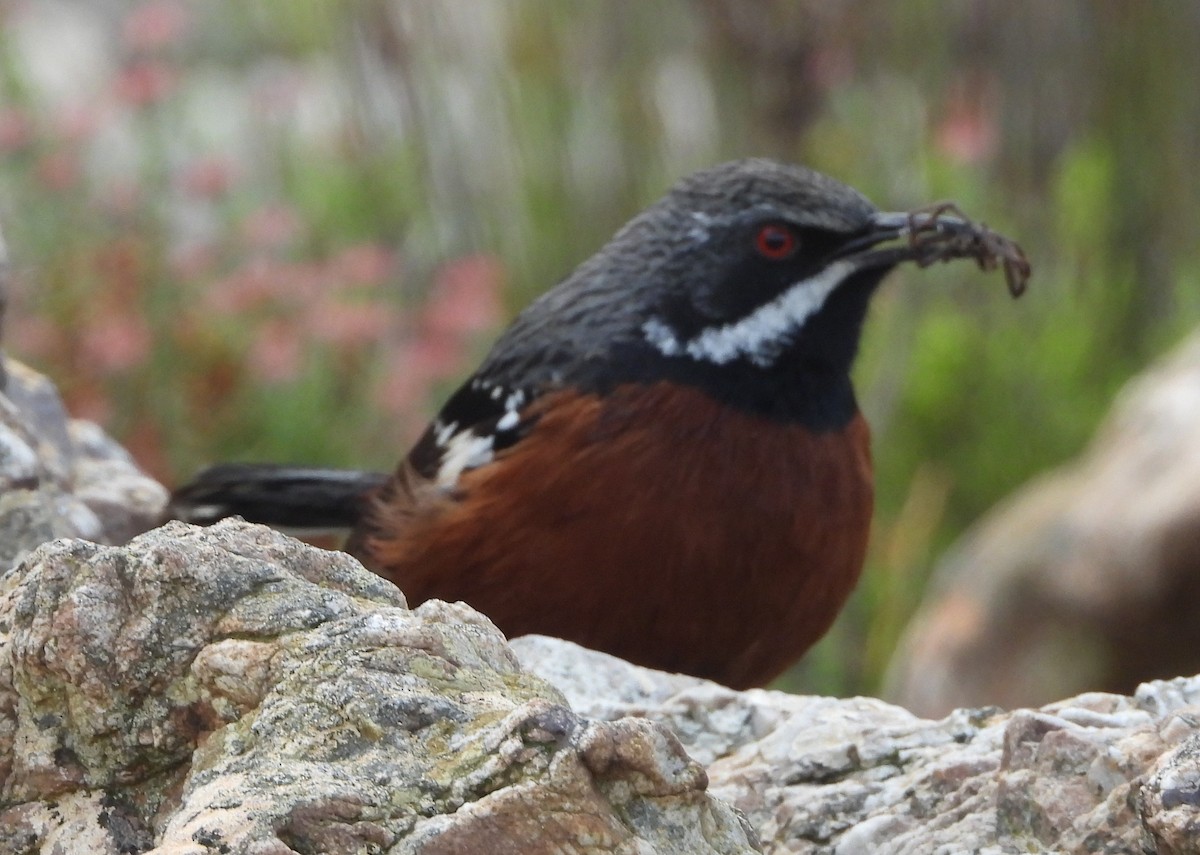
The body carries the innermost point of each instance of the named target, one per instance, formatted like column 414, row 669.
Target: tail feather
column 308, row 500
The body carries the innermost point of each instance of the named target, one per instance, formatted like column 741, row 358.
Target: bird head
column 750, row 280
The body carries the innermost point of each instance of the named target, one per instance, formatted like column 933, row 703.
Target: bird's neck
column 817, row 396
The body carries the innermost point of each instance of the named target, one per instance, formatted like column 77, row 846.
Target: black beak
column 883, row 227
column 937, row 233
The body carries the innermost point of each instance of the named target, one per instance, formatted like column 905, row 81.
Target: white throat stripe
column 762, row 334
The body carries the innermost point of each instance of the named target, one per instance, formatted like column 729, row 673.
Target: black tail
column 285, row 497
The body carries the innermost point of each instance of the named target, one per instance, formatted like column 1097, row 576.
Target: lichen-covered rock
column 233, row 690
column 1098, row 773
column 1170, row 799
column 61, row 477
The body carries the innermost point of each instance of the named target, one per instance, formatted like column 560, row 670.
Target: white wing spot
column 443, row 432
column 509, row 420
column 464, row 451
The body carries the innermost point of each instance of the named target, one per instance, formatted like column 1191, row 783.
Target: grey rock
column 1095, row 773
column 231, row 689
column 1171, row 799
column 61, row 477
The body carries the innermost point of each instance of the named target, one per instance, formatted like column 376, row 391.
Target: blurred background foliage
column 283, row 229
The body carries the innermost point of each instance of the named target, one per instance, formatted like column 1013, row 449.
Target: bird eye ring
column 775, row 242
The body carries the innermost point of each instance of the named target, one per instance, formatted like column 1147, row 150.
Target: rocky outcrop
column 1088, row 578
column 1096, row 773
column 233, row 690
column 63, row 477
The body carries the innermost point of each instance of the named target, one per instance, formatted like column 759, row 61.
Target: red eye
column 775, row 242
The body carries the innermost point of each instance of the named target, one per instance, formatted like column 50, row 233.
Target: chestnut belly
column 651, row 523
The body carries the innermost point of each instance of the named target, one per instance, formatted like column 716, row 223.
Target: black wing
column 478, row 421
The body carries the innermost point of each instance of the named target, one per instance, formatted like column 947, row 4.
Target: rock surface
column 1087, row 579
column 61, row 477
column 1098, row 773
column 233, row 690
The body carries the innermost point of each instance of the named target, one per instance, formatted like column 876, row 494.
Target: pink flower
column 465, row 298
column 192, row 261
column 968, row 132
column 207, row 177
column 122, row 197
column 271, row 227
column 349, row 325
column 155, row 24
column 76, row 122
column 116, row 341
column 278, row 90
column 363, row 264
column 276, row 355
column 58, row 171
column 16, row 130
column 251, row 286
column 413, row 368
column 145, row 82
column 464, row 301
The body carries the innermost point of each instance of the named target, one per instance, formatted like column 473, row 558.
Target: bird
column 662, row 457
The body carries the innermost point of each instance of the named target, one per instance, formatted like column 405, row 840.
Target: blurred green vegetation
column 279, row 230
